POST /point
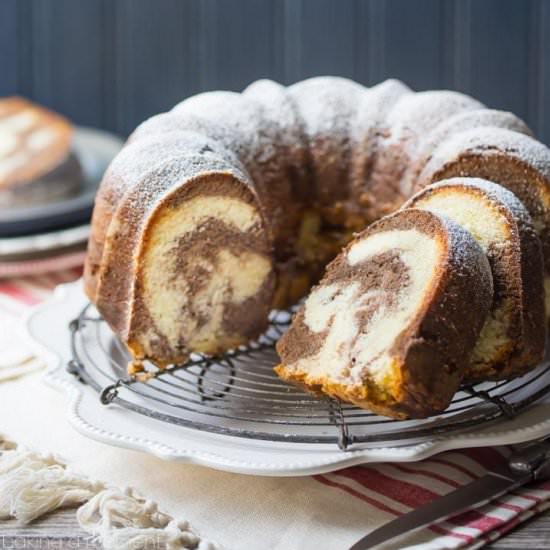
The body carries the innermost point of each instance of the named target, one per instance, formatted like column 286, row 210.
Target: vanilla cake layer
column 206, row 279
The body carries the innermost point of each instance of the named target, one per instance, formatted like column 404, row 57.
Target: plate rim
column 326, row 461
column 39, row 242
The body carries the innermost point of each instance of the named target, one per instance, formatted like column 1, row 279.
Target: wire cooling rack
column 239, row 395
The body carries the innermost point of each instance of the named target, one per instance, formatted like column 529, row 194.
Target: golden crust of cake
column 33, row 141
column 392, row 323
column 512, row 340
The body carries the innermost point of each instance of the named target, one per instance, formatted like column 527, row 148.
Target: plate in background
column 95, row 149
column 19, row 248
column 44, row 252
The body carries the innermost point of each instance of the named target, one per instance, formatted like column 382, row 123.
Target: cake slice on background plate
column 36, row 162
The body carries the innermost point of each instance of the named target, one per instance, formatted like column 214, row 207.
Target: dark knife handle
column 533, row 460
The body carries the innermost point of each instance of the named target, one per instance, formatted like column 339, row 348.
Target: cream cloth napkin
column 242, row 512
column 235, row 510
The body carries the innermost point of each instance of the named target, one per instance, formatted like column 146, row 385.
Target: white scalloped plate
column 46, row 330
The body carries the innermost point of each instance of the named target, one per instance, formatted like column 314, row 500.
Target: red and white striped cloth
column 396, row 489
column 18, row 293
column 379, row 492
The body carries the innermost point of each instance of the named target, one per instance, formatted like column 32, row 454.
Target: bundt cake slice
column 392, row 324
column 514, row 160
column 513, row 337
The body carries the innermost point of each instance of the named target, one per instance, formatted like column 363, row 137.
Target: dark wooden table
column 61, row 531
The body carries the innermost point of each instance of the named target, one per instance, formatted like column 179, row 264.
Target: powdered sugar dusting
column 459, row 122
column 253, row 132
column 232, row 137
column 278, row 110
column 237, row 122
column 485, row 141
column 140, row 158
column 469, row 120
column 326, row 104
column 241, row 126
column 373, row 108
column 173, row 171
column 418, row 113
column 465, row 254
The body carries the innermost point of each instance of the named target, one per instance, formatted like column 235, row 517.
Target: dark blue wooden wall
column 111, row 63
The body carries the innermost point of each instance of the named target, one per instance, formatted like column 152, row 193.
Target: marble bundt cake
column 231, row 204
column 513, row 337
column 36, row 162
column 393, row 321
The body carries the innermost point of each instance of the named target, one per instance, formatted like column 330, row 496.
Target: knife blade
column 527, row 465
